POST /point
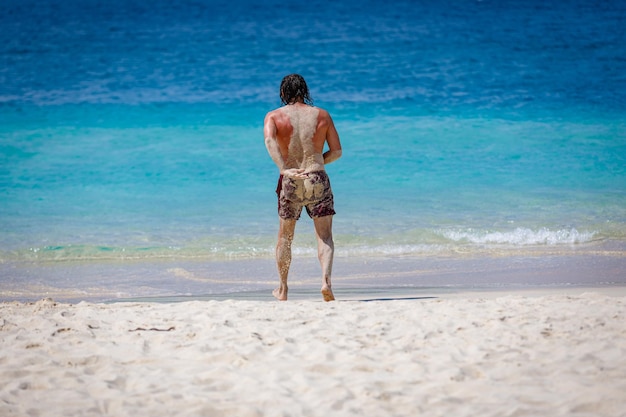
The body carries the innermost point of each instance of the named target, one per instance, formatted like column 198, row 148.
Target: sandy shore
column 539, row 354
column 72, row 282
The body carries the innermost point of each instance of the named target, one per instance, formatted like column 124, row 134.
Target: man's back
column 301, row 131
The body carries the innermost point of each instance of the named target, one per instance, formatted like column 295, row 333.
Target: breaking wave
column 520, row 236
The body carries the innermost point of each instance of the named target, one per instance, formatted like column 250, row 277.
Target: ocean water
column 132, row 160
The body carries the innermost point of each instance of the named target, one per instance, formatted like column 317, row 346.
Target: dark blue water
column 502, row 55
column 133, row 130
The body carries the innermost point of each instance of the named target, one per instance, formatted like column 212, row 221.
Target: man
column 295, row 135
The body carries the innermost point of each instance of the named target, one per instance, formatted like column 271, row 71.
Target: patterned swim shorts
column 314, row 193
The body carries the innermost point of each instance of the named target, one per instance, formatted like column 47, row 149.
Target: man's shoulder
column 323, row 114
column 273, row 113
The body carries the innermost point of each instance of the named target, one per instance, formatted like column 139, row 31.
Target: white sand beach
column 547, row 353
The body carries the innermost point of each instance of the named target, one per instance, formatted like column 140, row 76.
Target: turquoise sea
column 478, row 136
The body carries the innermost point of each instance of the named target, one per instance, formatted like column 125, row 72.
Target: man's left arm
column 334, row 144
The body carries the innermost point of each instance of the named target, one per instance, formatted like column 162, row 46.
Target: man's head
column 293, row 88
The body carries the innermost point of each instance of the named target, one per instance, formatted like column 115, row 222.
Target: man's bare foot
column 327, row 293
column 280, row 293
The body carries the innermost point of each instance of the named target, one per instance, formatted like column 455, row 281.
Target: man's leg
column 283, row 255
column 325, row 252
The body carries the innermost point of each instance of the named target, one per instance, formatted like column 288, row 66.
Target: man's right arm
column 271, row 143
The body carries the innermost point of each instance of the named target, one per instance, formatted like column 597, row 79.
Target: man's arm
column 331, row 156
column 334, row 144
column 271, row 143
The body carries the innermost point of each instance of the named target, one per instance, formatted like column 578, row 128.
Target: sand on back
column 302, row 153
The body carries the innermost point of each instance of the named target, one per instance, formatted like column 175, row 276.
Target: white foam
column 519, row 236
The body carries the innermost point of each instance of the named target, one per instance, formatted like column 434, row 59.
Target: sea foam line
column 519, row 236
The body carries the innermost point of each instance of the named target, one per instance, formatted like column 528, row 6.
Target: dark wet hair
column 294, row 87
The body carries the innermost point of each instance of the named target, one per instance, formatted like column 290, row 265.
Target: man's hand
column 295, row 173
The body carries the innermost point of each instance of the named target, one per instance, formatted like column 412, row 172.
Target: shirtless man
column 295, row 135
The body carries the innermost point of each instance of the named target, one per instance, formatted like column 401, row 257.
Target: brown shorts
column 314, row 193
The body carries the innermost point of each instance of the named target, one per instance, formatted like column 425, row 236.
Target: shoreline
column 361, row 294
column 118, row 281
